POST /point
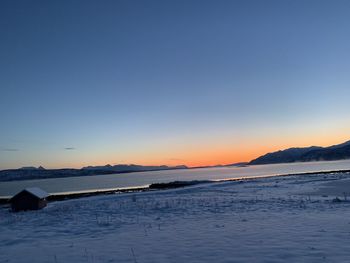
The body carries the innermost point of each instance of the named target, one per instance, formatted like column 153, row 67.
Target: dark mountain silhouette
column 308, row 154
column 130, row 168
column 240, row 164
column 29, row 173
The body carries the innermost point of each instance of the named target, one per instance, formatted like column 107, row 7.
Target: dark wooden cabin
column 29, row 199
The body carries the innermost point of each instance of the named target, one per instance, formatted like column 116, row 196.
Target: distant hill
column 29, row 173
column 240, row 164
column 308, row 154
column 125, row 168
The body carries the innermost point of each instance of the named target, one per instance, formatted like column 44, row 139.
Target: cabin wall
column 25, row 201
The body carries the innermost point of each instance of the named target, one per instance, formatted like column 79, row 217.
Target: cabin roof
column 35, row 191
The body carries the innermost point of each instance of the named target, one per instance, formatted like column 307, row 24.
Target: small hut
column 32, row 198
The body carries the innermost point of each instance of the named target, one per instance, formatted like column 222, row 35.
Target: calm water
column 117, row 181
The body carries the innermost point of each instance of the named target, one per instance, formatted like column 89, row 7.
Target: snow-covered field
column 280, row 219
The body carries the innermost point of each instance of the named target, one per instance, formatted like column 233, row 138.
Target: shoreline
column 163, row 186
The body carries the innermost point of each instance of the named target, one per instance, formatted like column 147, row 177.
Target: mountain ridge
column 30, row 173
column 305, row 154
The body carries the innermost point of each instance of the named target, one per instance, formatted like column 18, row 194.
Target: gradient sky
column 170, row 82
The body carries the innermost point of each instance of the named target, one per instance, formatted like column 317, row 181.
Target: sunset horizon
column 211, row 158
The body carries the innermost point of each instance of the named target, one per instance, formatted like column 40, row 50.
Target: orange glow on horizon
column 193, row 151
column 208, row 155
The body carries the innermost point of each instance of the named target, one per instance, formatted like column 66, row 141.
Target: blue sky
column 194, row 82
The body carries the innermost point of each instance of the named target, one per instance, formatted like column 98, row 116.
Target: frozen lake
column 129, row 180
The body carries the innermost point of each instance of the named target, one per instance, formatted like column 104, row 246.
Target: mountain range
column 307, row 154
column 29, row 173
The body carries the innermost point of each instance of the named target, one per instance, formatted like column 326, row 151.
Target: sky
column 192, row 82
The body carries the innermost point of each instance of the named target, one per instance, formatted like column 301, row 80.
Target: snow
column 280, row 219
